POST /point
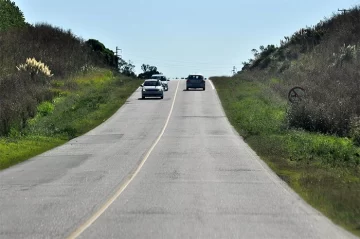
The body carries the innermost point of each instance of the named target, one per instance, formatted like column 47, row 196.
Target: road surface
column 171, row 168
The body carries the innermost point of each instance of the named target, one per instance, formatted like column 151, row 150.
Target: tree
column 96, row 45
column 246, row 66
column 126, row 68
column 148, row 71
column 255, row 52
column 10, row 16
column 107, row 55
column 144, row 67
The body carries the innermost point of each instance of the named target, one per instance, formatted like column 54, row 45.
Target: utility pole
column 343, row 10
column 118, row 56
column 234, row 70
column 118, row 50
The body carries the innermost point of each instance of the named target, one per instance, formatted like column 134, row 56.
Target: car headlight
column 143, row 89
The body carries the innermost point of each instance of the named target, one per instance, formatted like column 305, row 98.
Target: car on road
column 163, row 80
column 195, row 81
column 152, row 88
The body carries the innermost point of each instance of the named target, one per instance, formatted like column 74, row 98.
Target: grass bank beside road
column 323, row 169
column 81, row 104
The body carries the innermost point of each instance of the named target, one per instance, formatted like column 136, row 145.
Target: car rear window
column 151, row 83
column 162, row 78
column 195, row 77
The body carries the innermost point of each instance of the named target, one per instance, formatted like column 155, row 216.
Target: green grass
column 81, row 104
column 14, row 151
column 323, row 169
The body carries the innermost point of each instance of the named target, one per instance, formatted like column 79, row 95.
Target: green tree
column 104, row 53
column 148, row 71
column 127, row 68
column 96, row 45
column 10, row 15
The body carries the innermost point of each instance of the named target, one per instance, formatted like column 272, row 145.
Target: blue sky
column 187, row 36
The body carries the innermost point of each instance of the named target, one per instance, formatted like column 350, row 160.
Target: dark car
column 195, row 81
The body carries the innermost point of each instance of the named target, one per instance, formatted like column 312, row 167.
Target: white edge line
column 131, row 176
column 212, row 85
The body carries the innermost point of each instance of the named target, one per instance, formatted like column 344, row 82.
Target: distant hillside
column 324, row 60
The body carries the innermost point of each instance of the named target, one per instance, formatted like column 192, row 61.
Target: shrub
column 35, row 67
column 106, row 55
column 45, row 108
column 10, row 16
column 355, row 130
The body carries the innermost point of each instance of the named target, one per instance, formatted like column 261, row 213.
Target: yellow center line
column 131, row 176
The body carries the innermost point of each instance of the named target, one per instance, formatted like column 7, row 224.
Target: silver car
column 163, row 79
column 152, row 88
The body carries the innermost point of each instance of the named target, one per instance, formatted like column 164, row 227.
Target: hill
column 46, row 54
column 54, row 85
column 323, row 60
column 311, row 141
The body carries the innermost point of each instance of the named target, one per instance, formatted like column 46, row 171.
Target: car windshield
column 195, row 77
column 151, row 83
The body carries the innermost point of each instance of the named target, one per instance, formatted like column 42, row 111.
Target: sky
column 183, row 37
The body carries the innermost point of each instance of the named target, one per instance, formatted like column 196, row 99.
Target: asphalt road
column 171, row 168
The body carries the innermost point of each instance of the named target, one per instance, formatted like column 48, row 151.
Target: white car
column 152, row 88
column 163, row 80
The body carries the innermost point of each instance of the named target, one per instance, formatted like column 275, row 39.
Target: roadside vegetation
column 312, row 144
column 54, row 86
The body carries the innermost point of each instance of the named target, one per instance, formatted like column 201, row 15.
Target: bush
column 355, row 130
column 10, row 16
column 19, row 99
column 45, row 108
column 108, row 57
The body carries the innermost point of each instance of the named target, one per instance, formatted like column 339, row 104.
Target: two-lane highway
column 171, row 168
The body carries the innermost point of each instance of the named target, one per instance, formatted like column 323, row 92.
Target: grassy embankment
column 54, row 85
column 323, row 169
column 81, row 104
